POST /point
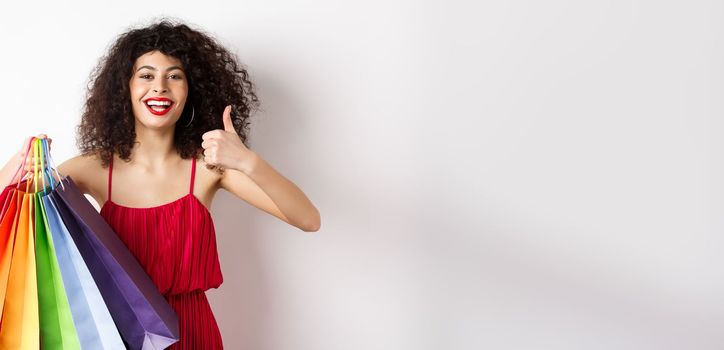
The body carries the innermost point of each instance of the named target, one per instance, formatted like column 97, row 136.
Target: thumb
column 228, row 124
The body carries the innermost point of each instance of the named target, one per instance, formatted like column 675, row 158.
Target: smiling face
column 158, row 90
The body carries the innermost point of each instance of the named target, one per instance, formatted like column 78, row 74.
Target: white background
column 490, row 175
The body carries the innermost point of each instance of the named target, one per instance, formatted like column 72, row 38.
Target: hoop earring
column 193, row 111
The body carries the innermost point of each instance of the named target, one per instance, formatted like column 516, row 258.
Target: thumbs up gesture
column 224, row 148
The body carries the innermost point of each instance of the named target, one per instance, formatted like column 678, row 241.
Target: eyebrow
column 154, row 68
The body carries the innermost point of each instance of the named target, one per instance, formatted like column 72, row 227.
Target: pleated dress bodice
column 175, row 243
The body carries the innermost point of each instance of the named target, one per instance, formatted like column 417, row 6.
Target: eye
column 175, row 76
column 145, row 76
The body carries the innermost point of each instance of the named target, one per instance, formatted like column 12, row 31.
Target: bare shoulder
column 87, row 172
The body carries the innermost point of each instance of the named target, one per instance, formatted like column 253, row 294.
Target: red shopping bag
column 20, row 327
column 7, row 238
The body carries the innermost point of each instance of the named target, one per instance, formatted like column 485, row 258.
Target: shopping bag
column 57, row 330
column 19, row 327
column 9, row 214
column 8, row 222
column 93, row 323
column 5, row 199
column 143, row 317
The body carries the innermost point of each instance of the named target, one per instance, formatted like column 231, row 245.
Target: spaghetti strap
column 193, row 175
column 110, row 177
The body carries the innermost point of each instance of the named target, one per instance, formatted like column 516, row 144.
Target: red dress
column 176, row 245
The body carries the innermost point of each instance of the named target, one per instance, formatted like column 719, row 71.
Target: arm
column 7, row 172
column 258, row 183
column 251, row 178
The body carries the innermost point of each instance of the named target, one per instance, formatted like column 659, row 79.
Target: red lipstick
column 166, row 108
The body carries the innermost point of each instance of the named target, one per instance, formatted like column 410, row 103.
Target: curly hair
column 215, row 79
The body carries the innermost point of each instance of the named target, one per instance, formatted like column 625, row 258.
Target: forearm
column 7, row 172
column 285, row 194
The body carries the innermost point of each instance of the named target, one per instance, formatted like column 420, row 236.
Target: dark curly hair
column 215, row 79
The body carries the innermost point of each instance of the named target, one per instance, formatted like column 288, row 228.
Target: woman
column 163, row 99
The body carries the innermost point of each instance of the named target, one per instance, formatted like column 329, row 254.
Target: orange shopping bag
column 8, row 221
column 20, row 324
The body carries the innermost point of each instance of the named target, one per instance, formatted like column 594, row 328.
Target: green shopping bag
column 57, row 330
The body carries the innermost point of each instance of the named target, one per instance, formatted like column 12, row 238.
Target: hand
column 224, row 148
column 26, row 153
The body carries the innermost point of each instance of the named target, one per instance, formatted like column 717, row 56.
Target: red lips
column 155, row 112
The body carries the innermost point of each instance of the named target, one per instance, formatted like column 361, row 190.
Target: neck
column 154, row 147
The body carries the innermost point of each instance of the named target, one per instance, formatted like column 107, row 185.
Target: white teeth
column 158, row 103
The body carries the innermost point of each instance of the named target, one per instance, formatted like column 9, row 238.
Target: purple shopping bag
column 143, row 317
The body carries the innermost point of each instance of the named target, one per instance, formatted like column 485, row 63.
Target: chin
column 155, row 122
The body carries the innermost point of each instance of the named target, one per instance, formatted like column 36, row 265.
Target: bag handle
column 51, row 167
column 22, row 165
column 43, row 166
column 43, row 152
column 37, row 159
column 39, row 166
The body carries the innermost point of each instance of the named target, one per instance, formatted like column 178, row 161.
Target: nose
column 160, row 86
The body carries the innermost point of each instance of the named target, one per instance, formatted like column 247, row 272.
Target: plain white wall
column 491, row 175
